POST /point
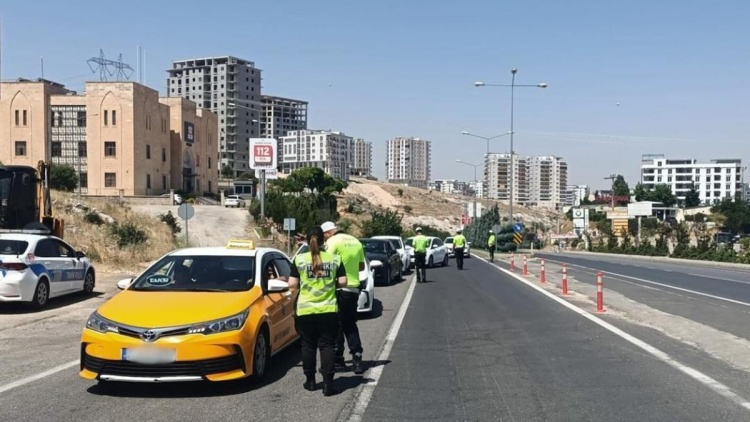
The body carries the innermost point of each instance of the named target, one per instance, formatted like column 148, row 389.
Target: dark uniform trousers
column 459, row 252
column 420, row 264
column 318, row 331
column 348, row 324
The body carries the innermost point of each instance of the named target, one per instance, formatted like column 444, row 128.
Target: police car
column 195, row 314
column 35, row 268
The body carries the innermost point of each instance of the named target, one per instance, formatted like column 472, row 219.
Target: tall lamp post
column 474, row 212
column 512, row 96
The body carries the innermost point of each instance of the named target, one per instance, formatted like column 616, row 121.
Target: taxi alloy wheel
column 89, row 283
column 260, row 355
column 41, row 294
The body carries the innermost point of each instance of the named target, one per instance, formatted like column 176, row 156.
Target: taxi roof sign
column 241, row 244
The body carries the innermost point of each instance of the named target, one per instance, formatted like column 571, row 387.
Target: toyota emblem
column 149, row 335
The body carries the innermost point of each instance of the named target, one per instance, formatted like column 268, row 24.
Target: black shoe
column 357, row 366
column 310, row 384
column 329, row 389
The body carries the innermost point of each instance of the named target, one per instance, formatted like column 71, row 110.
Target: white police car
column 35, row 268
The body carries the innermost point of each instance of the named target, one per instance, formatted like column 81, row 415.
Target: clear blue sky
column 678, row 69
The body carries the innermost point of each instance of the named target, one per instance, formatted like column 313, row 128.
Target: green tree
column 248, row 175
column 735, row 213
column 620, row 189
column 386, row 223
column 63, row 177
column 227, row 171
column 640, row 192
column 692, row 197
column 312, row 179
column 661, row 193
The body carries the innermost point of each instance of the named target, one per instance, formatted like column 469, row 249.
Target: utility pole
column 612, row 177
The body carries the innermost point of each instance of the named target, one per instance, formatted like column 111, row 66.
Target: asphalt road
column 480, row 345
column 32, row 343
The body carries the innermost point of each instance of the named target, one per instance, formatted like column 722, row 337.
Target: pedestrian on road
column 459, row 243
column 352, row 256
column 420, row 243
column 317, row 273
column 491, row 245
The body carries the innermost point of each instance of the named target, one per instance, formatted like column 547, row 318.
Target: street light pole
column 487, row 155
column 512, row 99
column 474, row 211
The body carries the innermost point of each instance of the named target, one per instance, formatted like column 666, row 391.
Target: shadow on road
column 58, row 302
column 349, row 382
column 280, row 365
column 377, row 311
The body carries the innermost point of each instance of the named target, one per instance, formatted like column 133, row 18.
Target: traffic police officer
column 459, row 243
column 353, row 259
column 317, row 274
column 420, row 243
column 491, row 246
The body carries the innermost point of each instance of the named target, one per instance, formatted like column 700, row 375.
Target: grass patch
column 135, row 238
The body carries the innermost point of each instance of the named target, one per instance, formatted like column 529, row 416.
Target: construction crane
column 25, row 200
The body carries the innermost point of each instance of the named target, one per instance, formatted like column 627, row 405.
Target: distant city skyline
column 634, row 77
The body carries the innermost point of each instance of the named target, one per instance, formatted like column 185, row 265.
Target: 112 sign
column 263, row 155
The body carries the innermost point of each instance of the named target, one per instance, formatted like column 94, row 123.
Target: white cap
column 328, row 226
column 418, row 229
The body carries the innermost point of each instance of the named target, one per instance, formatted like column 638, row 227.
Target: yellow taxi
column 209, row 313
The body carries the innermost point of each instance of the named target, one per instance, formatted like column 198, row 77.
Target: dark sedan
column 382, row 251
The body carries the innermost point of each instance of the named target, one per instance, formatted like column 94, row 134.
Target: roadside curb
column 649, row 258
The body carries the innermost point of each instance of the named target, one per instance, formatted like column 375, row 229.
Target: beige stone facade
column 120, row 136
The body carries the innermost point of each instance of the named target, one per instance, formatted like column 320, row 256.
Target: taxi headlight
column 100, row 324
column 232, row 323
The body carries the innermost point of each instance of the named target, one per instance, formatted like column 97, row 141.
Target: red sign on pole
column 463, row 219
column 263, row 154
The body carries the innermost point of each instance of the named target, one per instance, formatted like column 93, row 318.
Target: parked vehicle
column 234, row 201
column 382, row 251
column 398, row 243
column 449, row 246
column 436, row 252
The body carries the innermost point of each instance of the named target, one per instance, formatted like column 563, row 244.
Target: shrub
column 63, row 177
column 400, row 192
column 387, row 223
column 93, row 218
column 408, row 209
column 170, row 220
column 127, row 234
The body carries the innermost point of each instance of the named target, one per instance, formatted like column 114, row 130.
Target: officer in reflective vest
column 491, row 246
column 459, row 243
column 352, row 255
column 420, row 243
column 317, row 274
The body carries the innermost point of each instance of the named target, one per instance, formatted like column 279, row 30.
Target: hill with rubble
column 420, row 206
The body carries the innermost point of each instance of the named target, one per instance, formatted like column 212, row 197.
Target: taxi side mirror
column 124, row 283
column 277, row 286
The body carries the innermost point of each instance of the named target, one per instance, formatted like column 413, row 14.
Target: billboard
column 263, row 153
column 189, row 133
column 640, row 209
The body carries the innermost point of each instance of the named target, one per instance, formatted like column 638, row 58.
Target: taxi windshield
column 198, row 274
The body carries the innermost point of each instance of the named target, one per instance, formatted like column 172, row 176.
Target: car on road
column 201, row 313
column 234, row 201
column 437, row 253
column 366, row 282
column 398, row 243
column 382, row 251
column 37, row 267
column 449, row 246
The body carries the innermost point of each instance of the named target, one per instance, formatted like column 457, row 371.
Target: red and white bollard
column 599, row 293
column 525, row 266
column 542, row 275
column 512, row 262
column 565, row 280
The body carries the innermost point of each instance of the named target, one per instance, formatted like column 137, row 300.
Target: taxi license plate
column 149, row 356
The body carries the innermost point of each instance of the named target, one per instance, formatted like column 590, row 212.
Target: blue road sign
column 518, row 227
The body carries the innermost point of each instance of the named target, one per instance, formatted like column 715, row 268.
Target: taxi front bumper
column 195, row 357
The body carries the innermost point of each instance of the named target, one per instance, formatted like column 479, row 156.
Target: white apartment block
column 330, row 151
column 477, row 186
column 362, row 157
column 408, row 161
column 575, row 194
column 714, row 180
column 538, row 181
column 281, row 115
column 548, row 177
column 497, row 178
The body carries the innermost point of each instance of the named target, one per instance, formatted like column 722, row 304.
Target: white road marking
column 38, row 376
column 718, row 278
column 668, row 286
column 364, row 393
column 704, row 379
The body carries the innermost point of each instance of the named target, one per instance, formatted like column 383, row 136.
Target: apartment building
column 451, row 186
column 573, row 195
column 119, row 136
column 477, row 186
column 497, row 176
column 362, row 158
column 231, row 88
column 281, row 115
column 548, row 177
column 715, row 180
column 331, row 151
column 408, row 161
